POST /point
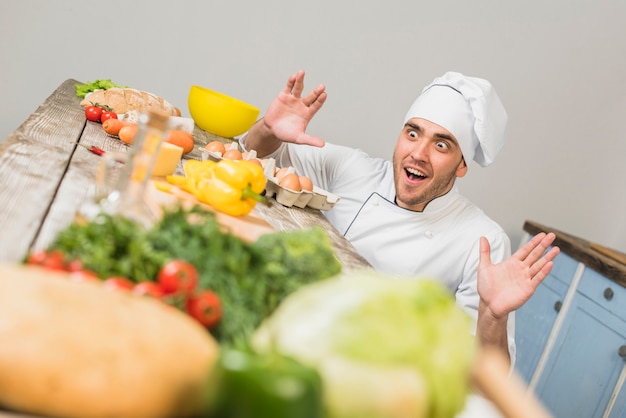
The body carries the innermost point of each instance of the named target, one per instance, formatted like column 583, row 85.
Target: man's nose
column 420, row 150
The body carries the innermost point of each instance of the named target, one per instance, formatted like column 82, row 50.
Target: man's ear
column 461, row 169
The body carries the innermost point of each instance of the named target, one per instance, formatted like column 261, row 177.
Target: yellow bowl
column 220, row 114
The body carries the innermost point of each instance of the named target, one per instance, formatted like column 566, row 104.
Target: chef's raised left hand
column 506, row 286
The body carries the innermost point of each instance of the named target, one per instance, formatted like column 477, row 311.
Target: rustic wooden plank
column 79, row 183
column 582, row 251
column 33, row 160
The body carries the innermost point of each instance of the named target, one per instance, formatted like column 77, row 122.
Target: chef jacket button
column 429, row 234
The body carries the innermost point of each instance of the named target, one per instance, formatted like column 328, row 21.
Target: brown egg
column 306, row 183
column 256, row 161
column 232, row 154
column 290, row 181
column 281, row 172
column 215, row 146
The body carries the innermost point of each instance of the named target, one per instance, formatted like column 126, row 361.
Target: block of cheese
column 167, row 160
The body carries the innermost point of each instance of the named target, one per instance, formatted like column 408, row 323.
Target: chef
column 406, row 216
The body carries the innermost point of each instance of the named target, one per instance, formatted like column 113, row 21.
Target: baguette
column 77, row 350
column 122, row 100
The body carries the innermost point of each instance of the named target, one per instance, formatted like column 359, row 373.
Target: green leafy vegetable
column 250, row 279
column 82, row 89
column 366, row 333
column 111, row 246
column 302, row 254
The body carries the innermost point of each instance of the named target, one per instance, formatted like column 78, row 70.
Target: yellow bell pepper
column 229, row 186
column 241, row 173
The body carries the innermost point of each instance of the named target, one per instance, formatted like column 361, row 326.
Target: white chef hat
column 470, row 109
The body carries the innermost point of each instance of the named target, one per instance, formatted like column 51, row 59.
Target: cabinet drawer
column 564, row 268
column 603, row 291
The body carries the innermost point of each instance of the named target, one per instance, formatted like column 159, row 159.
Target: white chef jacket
column 441, row 242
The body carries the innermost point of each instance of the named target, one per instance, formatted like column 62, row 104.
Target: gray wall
column 559, row 66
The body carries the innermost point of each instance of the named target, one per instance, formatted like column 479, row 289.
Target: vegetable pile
column 250, row 279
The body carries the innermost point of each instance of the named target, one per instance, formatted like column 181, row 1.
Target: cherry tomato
column 178, row 276
column 37, row 257
column 118, row 283
column 205, row 307
column 74, row 265
column 106, row 115
column 93, row 113
column 151, row 289
column 54, row 260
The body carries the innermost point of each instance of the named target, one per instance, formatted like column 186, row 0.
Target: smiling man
column 405, row 216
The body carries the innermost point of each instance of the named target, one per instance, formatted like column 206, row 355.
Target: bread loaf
column 76, row 350
column 122, row 100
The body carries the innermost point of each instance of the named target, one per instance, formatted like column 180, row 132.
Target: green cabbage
column 385, row 347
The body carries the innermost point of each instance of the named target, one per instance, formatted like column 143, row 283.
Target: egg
column 291, row 182
column 232, row 154
column 306, row 183
column 215, row 146
column 255, row 161
column 280, row 173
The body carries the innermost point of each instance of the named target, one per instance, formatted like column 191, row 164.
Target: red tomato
column 37, row 257
column 148, row 289
column 106, row 115
column 74, row 265
column 206, row 308
column 54, row 260
column 178, row 276
column 93, row 113
column 118, row 283
column 84, row 276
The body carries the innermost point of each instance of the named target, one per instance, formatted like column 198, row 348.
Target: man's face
column 426, row 161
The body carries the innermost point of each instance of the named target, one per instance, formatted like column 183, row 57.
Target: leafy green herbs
column 83, row 89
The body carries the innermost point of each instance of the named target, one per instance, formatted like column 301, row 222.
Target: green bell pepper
column 266, row 386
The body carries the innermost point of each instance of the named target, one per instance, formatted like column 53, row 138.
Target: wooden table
column 46, row 176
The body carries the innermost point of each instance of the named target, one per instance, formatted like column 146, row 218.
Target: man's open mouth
column 414, row 174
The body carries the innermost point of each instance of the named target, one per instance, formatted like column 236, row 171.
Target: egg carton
column 317, row 199
column 210, row 155
column 322, row 199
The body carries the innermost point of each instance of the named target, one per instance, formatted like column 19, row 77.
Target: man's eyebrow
column 437, row 135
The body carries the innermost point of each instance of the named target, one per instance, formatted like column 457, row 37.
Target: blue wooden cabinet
column 571, row 335
column 536, row 318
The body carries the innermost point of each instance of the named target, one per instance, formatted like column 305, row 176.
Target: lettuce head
column 385, row 347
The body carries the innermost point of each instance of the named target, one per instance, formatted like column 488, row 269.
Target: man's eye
column 413, row 134
column 443, row 145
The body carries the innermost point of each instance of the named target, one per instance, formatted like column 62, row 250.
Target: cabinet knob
column 608, row 293
column 622, row 352
column 557, row 305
